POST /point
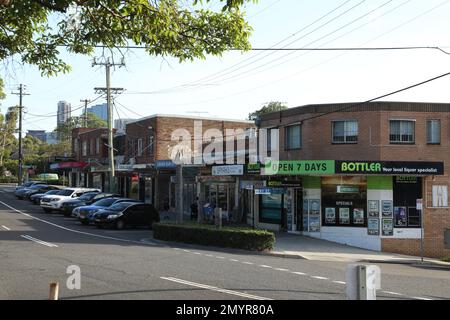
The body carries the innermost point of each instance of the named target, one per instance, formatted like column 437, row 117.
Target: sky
column 236, row 84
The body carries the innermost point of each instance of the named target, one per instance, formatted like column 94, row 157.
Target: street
column 36, row 248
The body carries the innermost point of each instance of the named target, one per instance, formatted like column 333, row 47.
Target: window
column 345, row 131
column 401, row 131
column 406, row 192
column 75, row 146
column 433, row 131
column 150, row 145
column 92, row 147
column 270, row 208
column 97, row 146
column 440, row 196
column 139, row 147
column 84, row 148
column 293, row 137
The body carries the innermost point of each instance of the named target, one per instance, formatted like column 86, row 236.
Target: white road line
column 76, row 231
column 48, row 244
column 219, row 257
column 198, row 253
column 209, row 255
column 186, row 250
column 6, row 228
column 320, row 278
column 207, row 287
column 281, row 269
column 300, row 273
column 234, row 260
column 265, row 266
column 420, row 298
column 249, row 263
column 339, row 282
column 393, row 293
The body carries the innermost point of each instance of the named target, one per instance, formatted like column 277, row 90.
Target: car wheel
column 47, row 210
column 120, row 224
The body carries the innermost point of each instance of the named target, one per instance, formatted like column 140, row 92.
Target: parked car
column 36, row 198
column 37, row 188
column 86, row 213
column 26, row 185
column 86, row 199
column 125, row 214
column 54, row 202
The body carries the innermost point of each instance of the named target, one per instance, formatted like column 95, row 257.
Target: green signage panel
column 297, row 167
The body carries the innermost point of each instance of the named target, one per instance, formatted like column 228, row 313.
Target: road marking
column 186, row 250
column 197, row 253
column 300, row 273
column 234, row 260
column 393, row 293
column 209, row 255
column 207, row 287
column 320, row 278
column 420, row 298
column 281, row 269
column 264, row 266
column 48, row 244
column 6, row 228
column 219, row 257
column 339, row 282
column 76, row 231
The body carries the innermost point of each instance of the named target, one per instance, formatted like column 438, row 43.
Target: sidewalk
column 301, row 247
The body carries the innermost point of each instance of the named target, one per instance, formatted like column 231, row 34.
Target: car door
column 131, row 215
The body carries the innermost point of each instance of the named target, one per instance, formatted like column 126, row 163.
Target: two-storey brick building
column 352, row 173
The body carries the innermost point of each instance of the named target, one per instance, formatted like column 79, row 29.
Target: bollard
column 362, row 282
column 54, row 291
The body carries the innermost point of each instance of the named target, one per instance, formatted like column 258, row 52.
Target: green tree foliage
column 35, row 30
column 270, row 107
column 7, row 128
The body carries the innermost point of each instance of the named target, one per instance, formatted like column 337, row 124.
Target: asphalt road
column 36, row 248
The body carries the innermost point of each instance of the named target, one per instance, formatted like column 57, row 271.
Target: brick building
column 352, row 173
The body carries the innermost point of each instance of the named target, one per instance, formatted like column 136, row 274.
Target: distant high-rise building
column 120, row 124
column 51, row 137
column 38, row 134
column 64, row 110
column 100, row 110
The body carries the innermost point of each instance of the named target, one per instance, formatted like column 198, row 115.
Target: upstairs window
column 345, row 131
column 293, row 137
column 139, row 148
column 84, row 148
column 402, row 131
column 433, row 131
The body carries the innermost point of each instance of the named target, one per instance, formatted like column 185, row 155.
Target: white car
column 54, row 202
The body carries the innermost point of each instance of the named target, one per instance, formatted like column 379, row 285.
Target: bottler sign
column 389, row 167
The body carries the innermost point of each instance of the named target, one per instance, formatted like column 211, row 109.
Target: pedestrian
column 194, row 209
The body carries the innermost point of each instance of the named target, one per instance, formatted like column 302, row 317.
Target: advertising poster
column 358, row 216
column 344, row 215
column 373, row 208
column 330, row 215
column 314, row 224
column 386, row 208
column 373, row 226
column 305, row 215
column 401, row 218
column 314, row 207
column 387, row 227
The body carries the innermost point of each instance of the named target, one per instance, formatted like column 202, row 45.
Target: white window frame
column 333, row 122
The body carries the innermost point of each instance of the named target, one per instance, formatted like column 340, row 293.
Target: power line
column 51, row 115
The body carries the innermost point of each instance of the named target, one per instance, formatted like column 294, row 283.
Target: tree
column 270, row 107
column 35, row 30
column 7, row 128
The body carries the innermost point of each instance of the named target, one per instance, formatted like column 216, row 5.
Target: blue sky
column 238, row 83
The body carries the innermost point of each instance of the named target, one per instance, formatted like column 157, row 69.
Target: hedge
column 8, row 179
column 240, row 238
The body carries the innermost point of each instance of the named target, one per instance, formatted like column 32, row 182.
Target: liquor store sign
column 327, row 167
column 415, row 168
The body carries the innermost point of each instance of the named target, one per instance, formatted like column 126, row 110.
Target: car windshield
column 37, row 186
column 87, row 196
column 104, row 202
column 64, row 192
column 120, row 206
column 52, row 192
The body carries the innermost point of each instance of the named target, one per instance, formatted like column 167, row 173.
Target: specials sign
column 415, row 168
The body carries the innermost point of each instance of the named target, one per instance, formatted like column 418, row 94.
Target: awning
column 68, row 165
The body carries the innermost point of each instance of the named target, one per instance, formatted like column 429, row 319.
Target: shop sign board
column 389, row 167
column 250, row 185
column 301, row 167
column 165, row 164
column 253, row 168
column 270, row 191
column 387, row 227
column 284, row 184
column 373, row 226
column 347, row 189
column 232, row 170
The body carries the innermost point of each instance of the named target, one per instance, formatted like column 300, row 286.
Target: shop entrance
column 298, row 194
column 221, row 196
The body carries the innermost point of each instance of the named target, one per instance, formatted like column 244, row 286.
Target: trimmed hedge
column 7, row 179
column 240, row 238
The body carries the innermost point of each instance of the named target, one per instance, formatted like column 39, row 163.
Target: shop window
column 406, row 191
column 293, row 137
column 270, row 207
column 402, row 131
column 345, row 131
column 344, row 201
column 433, row 131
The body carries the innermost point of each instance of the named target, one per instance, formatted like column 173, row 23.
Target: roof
column 190, row 117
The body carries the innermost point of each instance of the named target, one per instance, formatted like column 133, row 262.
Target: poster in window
column 387, row 227
column 314, row 224
column 373, row 226
column 358, row 216
column 374, row 208
column 344, row 215
column 330, row 215
column 401, row 218
column 386, row 208
column 314, row 207
column 305, row 215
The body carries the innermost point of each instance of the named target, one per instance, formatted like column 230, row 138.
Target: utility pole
column 21, row 93
column 108, row 90
column 86, row 101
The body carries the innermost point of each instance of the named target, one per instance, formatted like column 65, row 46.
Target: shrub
column 8, row 179
column 240, row 238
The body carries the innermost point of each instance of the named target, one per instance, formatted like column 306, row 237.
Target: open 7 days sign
column 352, row 167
